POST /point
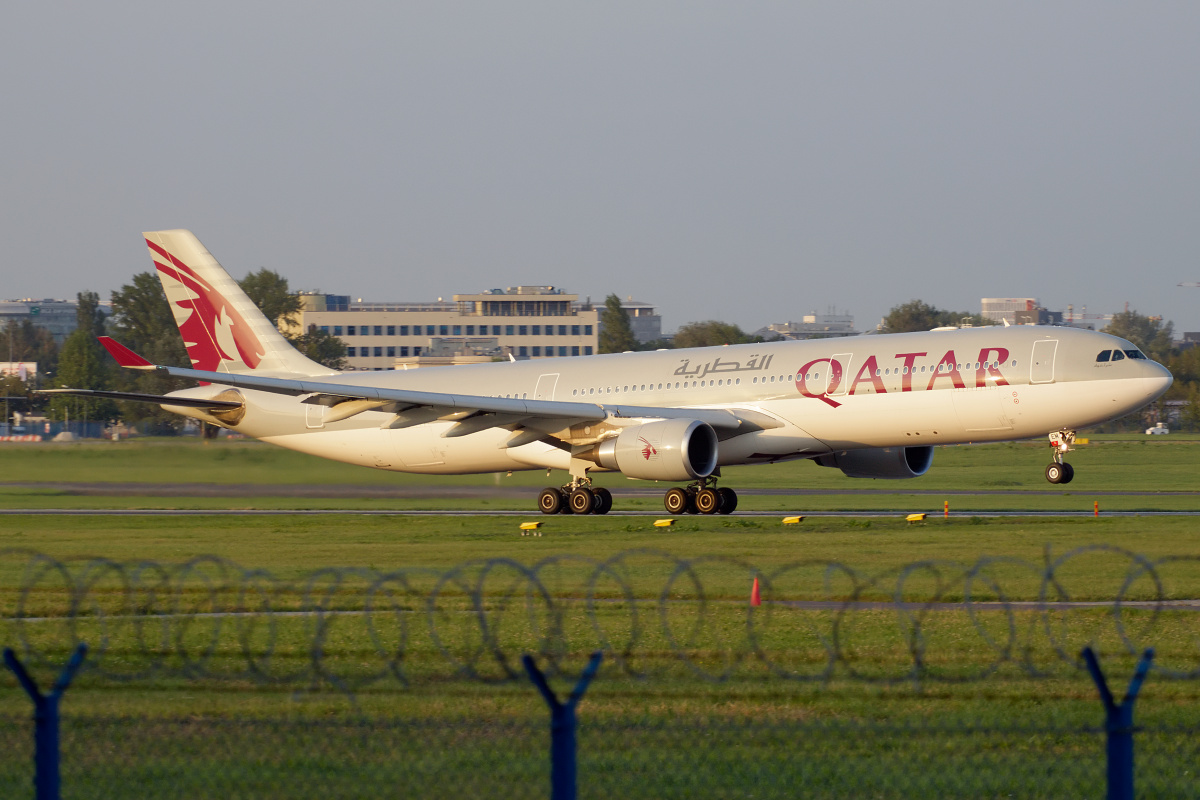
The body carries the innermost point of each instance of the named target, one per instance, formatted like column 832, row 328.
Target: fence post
column 46, row 778
column 1118, row 723
column 562, row 725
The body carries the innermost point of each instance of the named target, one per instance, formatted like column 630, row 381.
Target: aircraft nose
column 1162, row 377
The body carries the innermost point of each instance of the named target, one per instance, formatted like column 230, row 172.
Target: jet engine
column 670, row 450
column 882, row 462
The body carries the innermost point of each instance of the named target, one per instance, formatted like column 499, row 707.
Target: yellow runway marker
column 663, row 523
column 796, row 520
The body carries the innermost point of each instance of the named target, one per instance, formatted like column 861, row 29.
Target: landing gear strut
column 1060, row 471
column 701, row 497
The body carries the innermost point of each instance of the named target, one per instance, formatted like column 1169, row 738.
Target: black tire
column 728, row 500
column 1055, row 473
column 1068, row 473
column 708, row 501
column 676, row 501
column 582, row 500
column 603, row 501
column 550, row 501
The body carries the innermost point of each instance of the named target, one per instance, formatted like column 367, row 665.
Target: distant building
column 23, row 370
column 1190, row 339
column 810, row 326
column 522, row 321
column 645, row 324
column 1004, row 309
column 56, row 316
column 643, row 321
column 1037, row 316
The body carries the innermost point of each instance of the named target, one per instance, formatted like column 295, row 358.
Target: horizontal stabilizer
column 137, row 397
column 124, row 356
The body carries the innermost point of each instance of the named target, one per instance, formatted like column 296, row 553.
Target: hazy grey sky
column 748, row 162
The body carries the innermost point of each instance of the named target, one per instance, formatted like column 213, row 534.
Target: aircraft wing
column 471, row 413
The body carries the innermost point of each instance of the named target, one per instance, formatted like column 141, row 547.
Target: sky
column 745, row 162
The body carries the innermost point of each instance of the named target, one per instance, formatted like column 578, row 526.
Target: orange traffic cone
column 755, row 597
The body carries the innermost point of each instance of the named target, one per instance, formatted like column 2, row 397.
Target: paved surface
column 442, row 491
column 530, row 514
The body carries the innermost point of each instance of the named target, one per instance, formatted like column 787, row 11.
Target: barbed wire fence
column 655, row 619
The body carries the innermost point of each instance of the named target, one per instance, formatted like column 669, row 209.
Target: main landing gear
column 700, row 497
column 575, row 498
column 1060, row 471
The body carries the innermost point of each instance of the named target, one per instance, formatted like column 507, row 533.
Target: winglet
column 124, row 356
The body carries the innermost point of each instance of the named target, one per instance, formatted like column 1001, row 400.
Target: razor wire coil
column 351, row 628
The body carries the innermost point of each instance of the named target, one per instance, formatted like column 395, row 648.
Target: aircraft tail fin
column 221, row 327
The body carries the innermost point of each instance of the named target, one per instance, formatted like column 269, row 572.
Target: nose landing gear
column 701, row 497
column 1059, row 470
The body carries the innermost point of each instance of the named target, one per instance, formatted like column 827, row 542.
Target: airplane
column 872, row 406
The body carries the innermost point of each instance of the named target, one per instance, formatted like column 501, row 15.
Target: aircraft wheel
column 1068, row 473
column 550, row 501
column 707, row 501
column 676, row 501
column 1055, row 473
column 582, row 500
column 728, row 500
column 603, row 501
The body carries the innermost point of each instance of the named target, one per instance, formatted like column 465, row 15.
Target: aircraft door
column 1041, row 366
column 839, row 375
column 545, row 387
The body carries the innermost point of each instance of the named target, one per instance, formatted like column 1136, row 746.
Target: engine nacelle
column 670, row 450
column 881, row 462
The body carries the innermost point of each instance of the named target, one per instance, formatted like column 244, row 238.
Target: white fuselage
column 937, row 387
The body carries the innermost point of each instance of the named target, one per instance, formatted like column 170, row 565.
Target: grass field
column 974, row 479
column 699, row 691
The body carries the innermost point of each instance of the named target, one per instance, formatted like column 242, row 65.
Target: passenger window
column 1104, row 356
column 1118, row 355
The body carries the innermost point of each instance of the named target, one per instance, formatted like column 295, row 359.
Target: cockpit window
column 1105, row 355
column 1118, row 355
column 1135, row 354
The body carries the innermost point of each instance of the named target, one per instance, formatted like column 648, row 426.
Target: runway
column 427, row 492
column 527, row 494
column 536, row 515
